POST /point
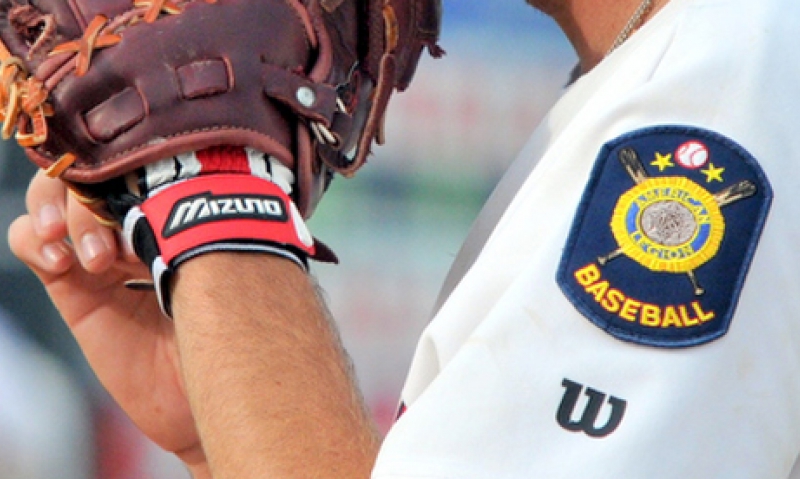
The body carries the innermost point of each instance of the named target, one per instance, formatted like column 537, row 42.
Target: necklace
column 634, row 23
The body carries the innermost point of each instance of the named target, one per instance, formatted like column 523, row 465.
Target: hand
column 128, row 342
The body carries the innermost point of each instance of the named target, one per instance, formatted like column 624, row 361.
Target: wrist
column 221, row 199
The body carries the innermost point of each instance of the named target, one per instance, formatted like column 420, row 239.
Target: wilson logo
column 207, row 208
column 591, row 413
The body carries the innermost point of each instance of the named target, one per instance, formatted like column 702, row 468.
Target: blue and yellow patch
column 664, row 235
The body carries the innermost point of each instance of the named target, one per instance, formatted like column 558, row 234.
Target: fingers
column 46, row 204
column 55, row 215
column 95, row 244
column 48, row 259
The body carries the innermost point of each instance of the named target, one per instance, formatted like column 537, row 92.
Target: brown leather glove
column 99, row 91
column 98, row 88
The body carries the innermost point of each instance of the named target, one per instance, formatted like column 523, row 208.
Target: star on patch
column 713, row 173
column 663, row 161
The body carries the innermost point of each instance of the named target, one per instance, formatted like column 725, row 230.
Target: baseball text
column 632, row 310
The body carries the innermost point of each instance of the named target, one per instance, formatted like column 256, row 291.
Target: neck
column 593, row 26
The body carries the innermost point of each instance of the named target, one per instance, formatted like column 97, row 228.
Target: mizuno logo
column 206, row 208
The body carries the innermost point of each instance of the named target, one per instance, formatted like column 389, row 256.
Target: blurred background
column 396, row 228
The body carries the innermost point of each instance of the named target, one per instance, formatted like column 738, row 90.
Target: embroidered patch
column 664, row 235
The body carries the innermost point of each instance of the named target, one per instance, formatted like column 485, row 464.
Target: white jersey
column 630, row 307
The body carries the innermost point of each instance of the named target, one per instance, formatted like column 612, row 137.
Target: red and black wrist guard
column 216, row 211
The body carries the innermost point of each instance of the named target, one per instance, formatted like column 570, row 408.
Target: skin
column 128, row 342
column 591, row 26
column 247, row 381
column 195, row 377
column 304, row 403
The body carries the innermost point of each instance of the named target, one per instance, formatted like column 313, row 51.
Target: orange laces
column 156, row 7
column 22, row 94
column 60, row 165
column 92, row 39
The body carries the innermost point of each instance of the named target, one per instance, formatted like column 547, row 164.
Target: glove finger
column 45, row 201
column 95, row 244
column 47, row 259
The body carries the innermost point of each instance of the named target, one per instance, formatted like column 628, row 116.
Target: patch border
column 563, row 275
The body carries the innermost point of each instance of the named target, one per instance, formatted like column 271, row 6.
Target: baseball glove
column 115, row 97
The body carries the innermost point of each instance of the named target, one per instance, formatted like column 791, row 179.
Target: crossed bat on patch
column 633, row 165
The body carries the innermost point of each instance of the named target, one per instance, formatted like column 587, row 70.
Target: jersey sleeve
column 633, row 313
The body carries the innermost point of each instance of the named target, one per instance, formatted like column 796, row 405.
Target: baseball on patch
column 692, row 154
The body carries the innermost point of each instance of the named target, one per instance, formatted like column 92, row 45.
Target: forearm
column 269, row 384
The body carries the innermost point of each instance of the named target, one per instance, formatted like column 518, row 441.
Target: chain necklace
column 634, row 23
